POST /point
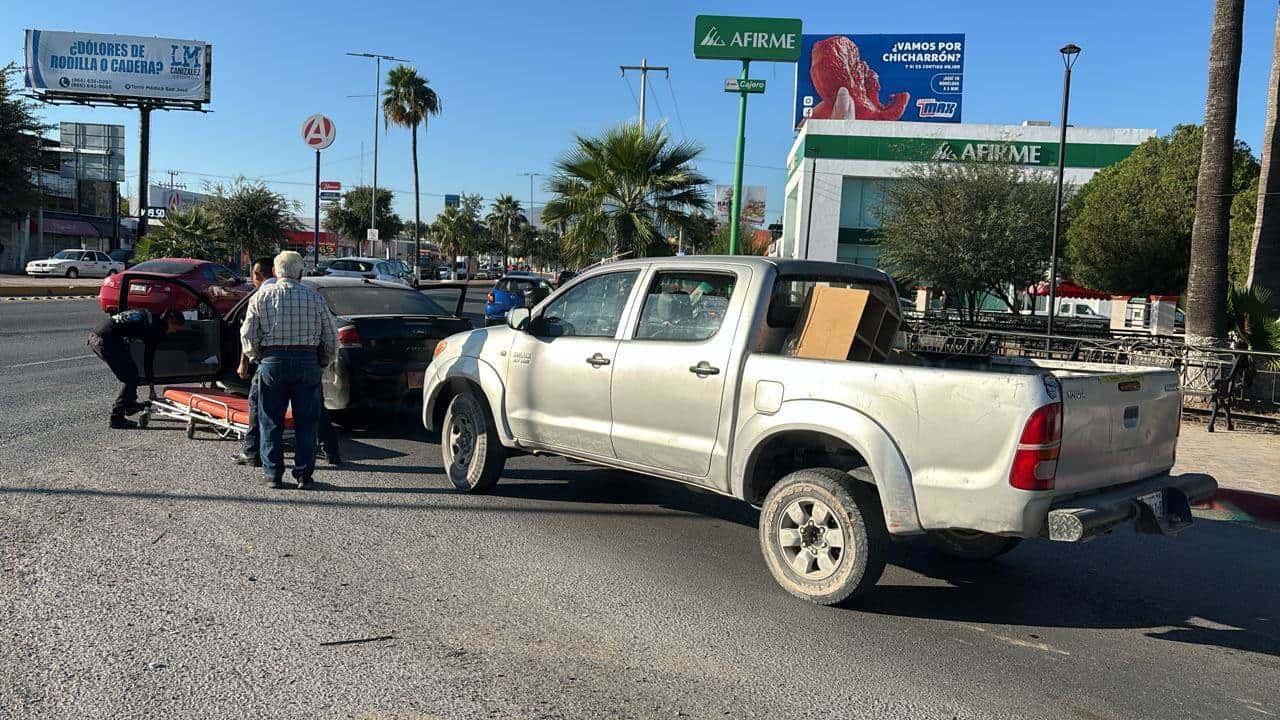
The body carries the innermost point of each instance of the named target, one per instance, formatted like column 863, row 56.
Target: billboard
column 752, row 209
column 89, row 64
column 91, row 151
column 917, row 78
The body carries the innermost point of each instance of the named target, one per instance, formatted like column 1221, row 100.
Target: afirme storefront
column 837, row 170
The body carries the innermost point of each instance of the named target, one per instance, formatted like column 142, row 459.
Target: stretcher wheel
column 191, row 429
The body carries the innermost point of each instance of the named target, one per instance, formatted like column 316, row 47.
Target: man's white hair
column 288, row 264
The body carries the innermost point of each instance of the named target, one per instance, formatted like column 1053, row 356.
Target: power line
column 657, row 102
column 631, row 90
column 644, row 67
column 676, row 104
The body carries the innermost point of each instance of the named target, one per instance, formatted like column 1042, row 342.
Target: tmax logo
column 713, row 38
column 930, row 108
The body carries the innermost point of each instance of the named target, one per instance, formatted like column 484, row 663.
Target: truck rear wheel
column 823, row 536
column 972, row 545
column 473, row 456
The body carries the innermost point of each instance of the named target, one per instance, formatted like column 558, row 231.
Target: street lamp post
column 1069, row 52
column 377, row 92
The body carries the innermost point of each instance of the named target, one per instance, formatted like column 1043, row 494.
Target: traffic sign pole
column 736, row 209
column 315, row 235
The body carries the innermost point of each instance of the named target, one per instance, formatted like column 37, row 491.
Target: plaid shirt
column 287, row 313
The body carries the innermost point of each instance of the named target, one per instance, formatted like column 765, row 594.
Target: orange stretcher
column 225, row 413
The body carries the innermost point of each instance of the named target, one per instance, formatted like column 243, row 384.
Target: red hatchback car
column 152, row 286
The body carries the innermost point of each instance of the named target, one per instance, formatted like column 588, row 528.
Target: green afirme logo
column 725, row 37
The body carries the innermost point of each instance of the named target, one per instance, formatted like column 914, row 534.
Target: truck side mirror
column 518, row 318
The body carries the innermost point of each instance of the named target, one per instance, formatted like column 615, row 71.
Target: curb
column 1242, row 506
column 48, row 290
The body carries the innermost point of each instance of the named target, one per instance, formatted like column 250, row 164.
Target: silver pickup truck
column 674, row 368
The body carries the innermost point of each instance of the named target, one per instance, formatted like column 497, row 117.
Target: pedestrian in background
column 110, row 342
column 289, row 331
column 251, row 451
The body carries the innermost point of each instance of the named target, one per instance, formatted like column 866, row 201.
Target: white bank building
column 837, row 169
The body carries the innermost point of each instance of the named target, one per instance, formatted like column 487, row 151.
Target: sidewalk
column 1245, row 464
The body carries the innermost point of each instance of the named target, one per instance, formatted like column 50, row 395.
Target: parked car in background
column 565, row 276
column 208, row 289
column 320, row 270
column 367, row 268
column 123, row 255
column 484, row 274
column 387, row 334
column 678, row 368
column 515, row 289
column 74, row 264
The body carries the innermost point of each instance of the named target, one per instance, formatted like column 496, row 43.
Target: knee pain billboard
column 117, row 66
column 880, row 77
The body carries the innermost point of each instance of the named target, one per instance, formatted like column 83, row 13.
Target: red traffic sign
column 330, row 185
column 318, row 132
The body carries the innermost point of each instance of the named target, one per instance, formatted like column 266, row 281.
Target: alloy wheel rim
column 811, row 539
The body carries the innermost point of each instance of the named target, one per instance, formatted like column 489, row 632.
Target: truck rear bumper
column 1158, row 505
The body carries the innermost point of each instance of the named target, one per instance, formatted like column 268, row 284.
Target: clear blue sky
column 517, row 79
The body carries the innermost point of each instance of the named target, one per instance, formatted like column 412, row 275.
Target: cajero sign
column 725, row 37
column 1010, row 152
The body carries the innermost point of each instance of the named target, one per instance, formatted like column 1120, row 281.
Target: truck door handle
column 704, row 369
column 598, row 360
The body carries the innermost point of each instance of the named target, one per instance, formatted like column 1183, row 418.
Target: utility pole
column 644, row 67
column 377, row 93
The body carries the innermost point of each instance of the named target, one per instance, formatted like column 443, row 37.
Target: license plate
column 1155, row 501
column 414, row 378
column 138, row 287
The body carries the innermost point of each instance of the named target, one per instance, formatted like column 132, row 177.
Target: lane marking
column 46, row 362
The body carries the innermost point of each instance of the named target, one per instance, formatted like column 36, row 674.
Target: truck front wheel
column 823, row 536
column 972, row 544
column 473, row 456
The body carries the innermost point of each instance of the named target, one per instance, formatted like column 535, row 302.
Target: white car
column 366, row 267
column 76, row 263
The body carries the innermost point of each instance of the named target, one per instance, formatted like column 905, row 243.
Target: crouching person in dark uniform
column 110, row 341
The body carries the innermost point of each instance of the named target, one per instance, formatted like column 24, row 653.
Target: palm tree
column 505, row 218
column 1207, row 281
column 186, row 233
column 407, row 101
column 620, row 192
column 450, row 231
column 1264, row 256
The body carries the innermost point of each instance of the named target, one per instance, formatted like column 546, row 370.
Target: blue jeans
column 288, row 378
column 325, row 434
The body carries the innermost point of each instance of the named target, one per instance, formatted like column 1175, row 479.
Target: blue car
column 515, row 289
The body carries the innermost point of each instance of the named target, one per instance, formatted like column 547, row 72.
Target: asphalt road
column 144, row 575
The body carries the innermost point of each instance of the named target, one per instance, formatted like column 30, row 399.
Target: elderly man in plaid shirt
column 289, row 331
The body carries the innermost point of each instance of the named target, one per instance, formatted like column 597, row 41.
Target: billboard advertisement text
column 917, row 78
column 73, row 63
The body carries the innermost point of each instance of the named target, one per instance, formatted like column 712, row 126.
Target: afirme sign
column 74, row 63
column 732, row 85
column 726, row 37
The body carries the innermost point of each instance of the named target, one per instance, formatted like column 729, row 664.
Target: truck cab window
column 592, row 308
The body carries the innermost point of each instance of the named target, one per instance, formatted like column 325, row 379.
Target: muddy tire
column 972, row 545
column 469, row 447
column 823, row 536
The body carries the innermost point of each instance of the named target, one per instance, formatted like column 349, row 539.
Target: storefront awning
column 78, row 228
column 1068, row 290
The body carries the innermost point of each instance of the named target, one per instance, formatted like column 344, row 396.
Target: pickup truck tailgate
column 1117, row 428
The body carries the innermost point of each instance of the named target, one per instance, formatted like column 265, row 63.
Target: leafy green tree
column 350, row 218
column 1251, row 316
column 450, row 231
column 251, row 217
column 187, row 234
column 623, row 191
column 969, row 227
column 407, row 102
column 719, row 243
column 1130, row 225
column 1244, row 211
column 19, row 149
column 505, row 220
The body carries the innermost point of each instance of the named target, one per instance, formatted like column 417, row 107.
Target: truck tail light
column 348, row 337
column 1035, row 462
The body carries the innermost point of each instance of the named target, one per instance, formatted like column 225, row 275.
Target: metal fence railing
column 1251, row 380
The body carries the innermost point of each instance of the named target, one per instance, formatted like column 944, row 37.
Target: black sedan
column 387, row 334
